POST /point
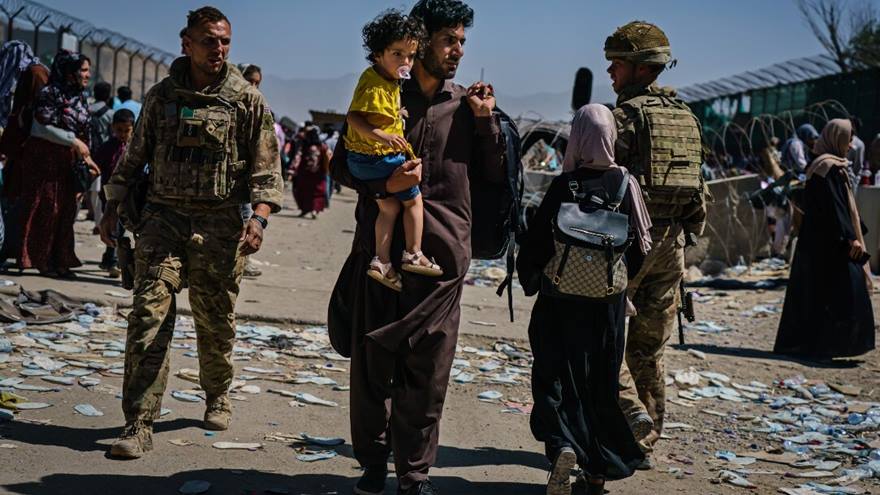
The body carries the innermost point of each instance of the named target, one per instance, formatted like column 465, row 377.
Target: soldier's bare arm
column 265, row 182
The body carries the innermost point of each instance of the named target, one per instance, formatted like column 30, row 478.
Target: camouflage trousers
column 176, row 249
column 654, row 293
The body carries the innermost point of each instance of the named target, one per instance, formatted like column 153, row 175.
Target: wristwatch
column 264, row 222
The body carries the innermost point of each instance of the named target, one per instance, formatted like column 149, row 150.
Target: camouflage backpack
column 670, row 144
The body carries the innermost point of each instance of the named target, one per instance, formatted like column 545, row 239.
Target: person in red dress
column 48, row 192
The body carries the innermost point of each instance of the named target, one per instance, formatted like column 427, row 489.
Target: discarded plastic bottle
column 855, row 419
column 793, row 447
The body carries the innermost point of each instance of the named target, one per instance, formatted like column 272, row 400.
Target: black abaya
column 578, row 350
column 827, row 311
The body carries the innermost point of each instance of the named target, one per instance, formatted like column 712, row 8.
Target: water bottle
column 855, row 419
column 793, row 447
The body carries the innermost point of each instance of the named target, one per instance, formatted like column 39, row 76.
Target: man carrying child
column 402, row 344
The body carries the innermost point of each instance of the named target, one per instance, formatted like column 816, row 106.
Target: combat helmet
column 639, row 42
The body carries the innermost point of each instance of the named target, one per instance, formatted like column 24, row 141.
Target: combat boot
column 218, row 413
column 136, row 440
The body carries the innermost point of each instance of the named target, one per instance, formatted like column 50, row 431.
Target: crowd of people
column 606, row 244
column 56, row 124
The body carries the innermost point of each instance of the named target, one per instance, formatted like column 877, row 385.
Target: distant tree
column 850, row 35
column 865, row 41
column 825, row 19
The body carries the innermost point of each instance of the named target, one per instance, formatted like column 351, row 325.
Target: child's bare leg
column 389, row 208
column 413, row 223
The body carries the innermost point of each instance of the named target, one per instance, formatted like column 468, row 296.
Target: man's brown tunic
column 402, row 345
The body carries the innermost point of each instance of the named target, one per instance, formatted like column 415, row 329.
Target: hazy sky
column 524, row 46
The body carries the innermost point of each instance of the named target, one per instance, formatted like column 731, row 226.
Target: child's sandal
column 418, row 263
column 379, row 272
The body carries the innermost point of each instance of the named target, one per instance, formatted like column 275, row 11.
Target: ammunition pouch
column 196, row 156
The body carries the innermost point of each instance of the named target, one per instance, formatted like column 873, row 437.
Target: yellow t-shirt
column 379, row 99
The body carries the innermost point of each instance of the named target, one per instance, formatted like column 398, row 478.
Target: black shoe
column 421, row 488
column 372, row 482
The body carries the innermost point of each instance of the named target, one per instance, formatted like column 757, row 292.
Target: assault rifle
column 686, row 308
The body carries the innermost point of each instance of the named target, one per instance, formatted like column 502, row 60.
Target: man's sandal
column 384, row 274
column 418, row 263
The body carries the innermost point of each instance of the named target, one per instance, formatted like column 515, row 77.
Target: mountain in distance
column 295, row 97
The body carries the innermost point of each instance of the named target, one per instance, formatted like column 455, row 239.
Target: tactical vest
column 196, row 157
column 670, row 148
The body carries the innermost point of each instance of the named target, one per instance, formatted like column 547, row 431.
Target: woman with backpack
column 587, row 239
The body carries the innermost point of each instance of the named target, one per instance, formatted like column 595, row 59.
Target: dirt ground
column 486, row 445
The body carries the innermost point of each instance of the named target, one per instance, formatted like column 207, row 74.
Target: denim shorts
column 372, row 167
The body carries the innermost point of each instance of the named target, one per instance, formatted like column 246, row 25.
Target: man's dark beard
column 435, row 68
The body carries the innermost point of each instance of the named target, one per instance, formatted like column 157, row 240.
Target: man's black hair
column 205, row 14
column 123, row 116
column 102, row 91
column 439, row 14
column 252, row 69
column 124, row 93
column 388, row 27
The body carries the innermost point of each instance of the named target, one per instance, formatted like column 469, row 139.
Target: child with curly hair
column 376, row 145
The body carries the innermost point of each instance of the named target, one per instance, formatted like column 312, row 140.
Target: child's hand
column 398, row 143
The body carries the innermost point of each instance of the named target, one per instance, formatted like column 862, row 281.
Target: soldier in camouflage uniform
column 209, row 140
column 659, row 141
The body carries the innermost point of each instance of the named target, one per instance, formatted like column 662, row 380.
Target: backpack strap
column 621, row 192
column 100, row 113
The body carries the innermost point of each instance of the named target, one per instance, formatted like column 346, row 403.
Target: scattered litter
column 321, row 441
column 697, row 354
column 850, row 390
column 249, row 389
column 677, row 426
column 464, row 378
column 687, row 379
column 61, row 380
column 307, row 455
column 734, row 479
column 237, row 446
column 490, row 395
column 482, row 323
column 121, row 295
column 185, row 397
column 307, row 398
column 88, row 410
column 24, row 406
column 181, row 442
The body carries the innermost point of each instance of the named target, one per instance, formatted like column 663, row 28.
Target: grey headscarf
column 591, row 145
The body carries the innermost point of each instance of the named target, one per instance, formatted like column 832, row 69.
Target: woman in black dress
column 578, row 345
column 827, row 311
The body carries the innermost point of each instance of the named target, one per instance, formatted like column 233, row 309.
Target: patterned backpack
column 590, row 236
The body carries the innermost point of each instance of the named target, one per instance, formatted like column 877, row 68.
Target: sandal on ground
column 384, row 274
column 418, row 263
